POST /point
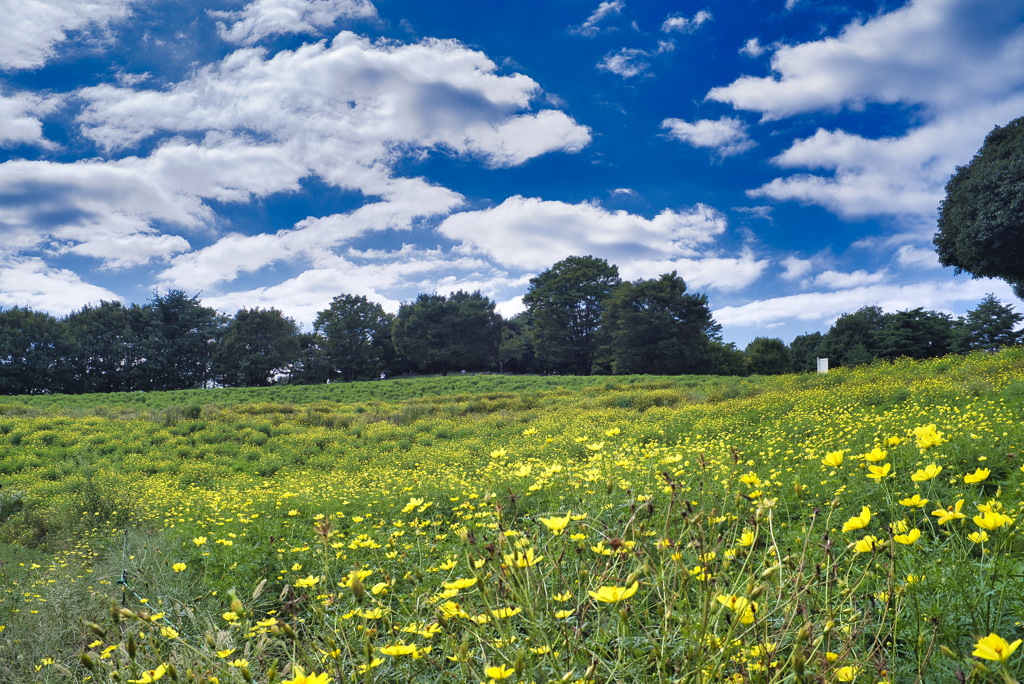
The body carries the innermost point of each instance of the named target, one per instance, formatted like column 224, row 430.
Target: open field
column 860, row 526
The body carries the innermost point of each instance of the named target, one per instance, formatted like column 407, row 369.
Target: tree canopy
column 981, row 219
column 440, row 334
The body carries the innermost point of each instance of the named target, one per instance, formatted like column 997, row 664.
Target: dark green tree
column 33, row 353
column 853, row 338
column 567, row 302
column 657, row 327
column 354, row 332
column 256, row 345
column 179, row 340
column 725, row 359
column 981, row 219
column 915, row 333
column 768, row 356
column 106, row 348
column 439, row 334
column 313, row 365
column 515, row 352
column 990, row 325
column 805, row 350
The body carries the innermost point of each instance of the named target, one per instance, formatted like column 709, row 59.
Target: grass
column 522, row 530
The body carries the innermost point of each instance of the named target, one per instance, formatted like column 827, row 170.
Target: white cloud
column 796, row 268
column 917, row 257
column 727, row 136
column 533, row 233
column 30, row 283
column 753, row 48
column 31, row 29
column 262, row 18
column 825, row 307
column 838, row 280
column 725, row 274
column 626, row 62
column 680, row 24
column 590, row 27
column 19, row 114
column 940, row 53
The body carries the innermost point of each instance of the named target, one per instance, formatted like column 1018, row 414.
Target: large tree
column 853, row 338
column 981, row 219
column 439, row 334
column 354, row 331
column 567, row 302
column 33, row 349
column 256, row 345
column 179, row 341
column 805, row 350
column 915, row 333
column 105, row 347
column 990, row 325
column 657, row 327
column 768, row 356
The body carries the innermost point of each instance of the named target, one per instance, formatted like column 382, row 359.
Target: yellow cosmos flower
column 498, row 672
column 562, row 614
column 178, row 567
column 398, row 649
column 743, row 607
column 153, row 675
column 521, row 559
column 299, row 676
column 992, row 520
column 928, row 436
column 979, row 475
column 614, row 594
column 199, row 541
column 876, row 455
column 366, row 667
column 506, row 612
column 847, row 673
column 463, row 583
column 858, row 522
column 908, row 538
column 833, row 459
column 878, row 472
column 950, row 512
column 928, row 472
column 867, row 544
column 169, row 632
column 746, row 539
column 994, row 647
column 307, row 582
column 978, row 537
column 556, row 524
column 914, row 501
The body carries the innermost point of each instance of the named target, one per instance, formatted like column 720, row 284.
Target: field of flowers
column 857, row 527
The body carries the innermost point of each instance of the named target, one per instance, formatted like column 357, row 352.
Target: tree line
column 580, row 318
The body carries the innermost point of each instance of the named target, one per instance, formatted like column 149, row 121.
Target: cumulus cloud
column 262, row 18
column 721, row 273
column 630, row 62
column 20, row 113
column 32, row 29
column 838, row 280
column 680, row 24
column 825, row 307
column 533, row 233
column 590, row 28
column 753, row 48
column 939, row 53
column 31, row 283
column 726, row 136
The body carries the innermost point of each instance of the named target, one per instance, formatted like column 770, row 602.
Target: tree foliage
column 440, row 334
column 32, row 352
column 179, row 341
column 256, row 345
column 916, row 334
column 657, row 327
column 567, row 303
column 768, row 356
column 355, row 332
column 991, row 325
column 981, row 219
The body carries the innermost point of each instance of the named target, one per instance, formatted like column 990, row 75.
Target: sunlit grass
column 860, row 526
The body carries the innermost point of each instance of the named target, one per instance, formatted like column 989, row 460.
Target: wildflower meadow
column 859, row 526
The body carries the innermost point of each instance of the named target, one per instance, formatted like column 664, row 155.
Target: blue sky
column 785, row 157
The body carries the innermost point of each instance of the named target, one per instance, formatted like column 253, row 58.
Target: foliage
column 990, row 325
column 915, row 333
column 255, row 347
column 567, row 303
column 32, row 348
column 656, row 327
column 806, row 350
column 981, row 219
column 440, row 334
column 768, row 356
column 179, row 340
column 355, row 332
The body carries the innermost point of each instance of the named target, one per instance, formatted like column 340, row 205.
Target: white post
column 822, row 365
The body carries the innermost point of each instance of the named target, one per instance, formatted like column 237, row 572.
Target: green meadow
column 859, row 526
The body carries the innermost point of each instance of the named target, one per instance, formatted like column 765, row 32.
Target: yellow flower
column 949, row 512
column 463, row 583
column 307, row 582
column 992, row 520
column 506, row 612
column 178, row 567
column 498, row 672
column 398, row 649
column 300, row 677
column 743, row 607
column 908, row 538
column 153, row 675
column 868, row 543
column 225, row 653
column 556, row 524
column 746, row 539
column 858, row 522
column 879, row 472
column 927, row 436
column 239, row 662
column 199, row 541
column 833, row 459
column 169, row 632
column 914, row 501
column 562, row 614
column 928, row 472
column 230, row 616
column 614, row 594
column 994, row 647
column 520, row 559
column 847, row 673
column 978, row 537
column 979, row 475
column 366, row 667
column 876, row 455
